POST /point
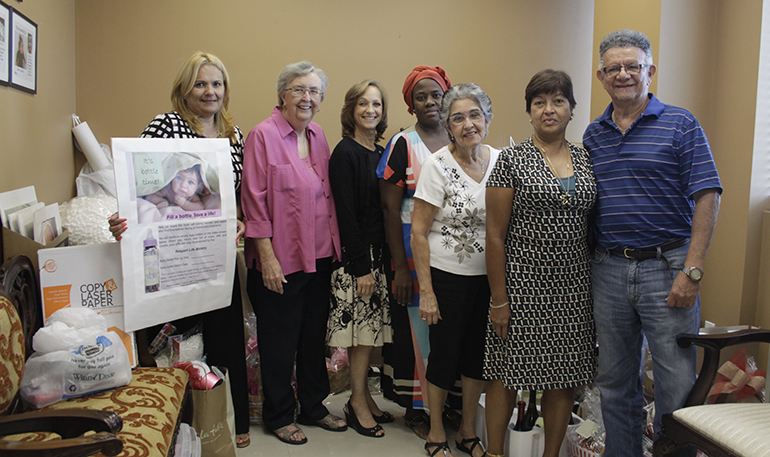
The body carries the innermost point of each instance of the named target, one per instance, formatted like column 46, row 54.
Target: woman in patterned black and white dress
column 448, row 229
column 359, row 318
column 541, row 333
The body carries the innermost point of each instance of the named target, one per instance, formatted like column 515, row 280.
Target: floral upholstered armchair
column 140, row 419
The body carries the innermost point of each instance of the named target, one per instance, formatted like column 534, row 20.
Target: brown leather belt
column 648, row 253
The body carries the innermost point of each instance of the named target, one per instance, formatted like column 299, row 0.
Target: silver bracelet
column 500, row 306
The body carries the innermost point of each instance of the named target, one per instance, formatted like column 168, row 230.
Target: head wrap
column 418, row 74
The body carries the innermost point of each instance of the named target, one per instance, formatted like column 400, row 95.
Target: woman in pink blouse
column 291, row 226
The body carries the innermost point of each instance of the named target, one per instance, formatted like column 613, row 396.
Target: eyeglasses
column 299, row 91
column 459, row 118
column 631, row 69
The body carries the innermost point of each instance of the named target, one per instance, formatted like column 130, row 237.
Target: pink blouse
column 279, row 195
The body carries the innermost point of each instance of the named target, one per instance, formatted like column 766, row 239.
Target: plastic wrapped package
column 587, row 440
column 338, row 369
column 253, row 373
column 86, row 219
column 738, row 381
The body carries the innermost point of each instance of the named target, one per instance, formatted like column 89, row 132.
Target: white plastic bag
column 90, row 183
column 88, row 359
column 68, row 328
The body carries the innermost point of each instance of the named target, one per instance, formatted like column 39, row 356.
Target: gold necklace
column 483, row 164
column 565, row 197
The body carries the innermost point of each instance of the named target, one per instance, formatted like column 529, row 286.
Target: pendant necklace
column 566, row 198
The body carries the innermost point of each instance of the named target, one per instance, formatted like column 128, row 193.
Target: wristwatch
column 694, row 273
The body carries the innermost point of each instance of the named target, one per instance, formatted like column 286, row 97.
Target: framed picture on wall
column 5, row 33
column 23, row 55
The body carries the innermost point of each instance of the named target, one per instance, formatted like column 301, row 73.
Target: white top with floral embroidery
column 457, row 234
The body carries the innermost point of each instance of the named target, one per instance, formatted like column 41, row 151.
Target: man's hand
column 683, row 292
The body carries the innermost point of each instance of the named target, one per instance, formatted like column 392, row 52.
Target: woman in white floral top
column 448, row 232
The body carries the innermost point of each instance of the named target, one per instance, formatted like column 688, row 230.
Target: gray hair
column 625, row 39
column 463, row 91
column 295, row 70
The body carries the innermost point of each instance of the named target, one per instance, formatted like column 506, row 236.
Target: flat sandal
column 439, row 447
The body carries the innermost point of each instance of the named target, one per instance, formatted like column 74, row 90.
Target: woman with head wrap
column 399, row 169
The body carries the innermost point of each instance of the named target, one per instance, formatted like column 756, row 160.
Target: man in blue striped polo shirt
column 659, row 195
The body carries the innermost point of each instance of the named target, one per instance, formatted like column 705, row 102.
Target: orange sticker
column 50, row 265
column 110, row 285
column 55, row 298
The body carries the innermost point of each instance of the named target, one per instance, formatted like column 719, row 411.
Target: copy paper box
column 89, row 277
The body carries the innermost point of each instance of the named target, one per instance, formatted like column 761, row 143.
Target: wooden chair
column 141, row 418
column 738, row 429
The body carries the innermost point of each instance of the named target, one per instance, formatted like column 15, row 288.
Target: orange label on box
column 56, row 298
column 110, row 285
column 126, row 341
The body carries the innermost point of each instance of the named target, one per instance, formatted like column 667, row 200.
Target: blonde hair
column 183, row 85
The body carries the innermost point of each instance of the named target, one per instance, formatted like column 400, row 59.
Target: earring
column 530, row 120
column 451, row 138
column 571, row 116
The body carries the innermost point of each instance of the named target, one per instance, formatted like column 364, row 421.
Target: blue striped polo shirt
column 646, row 178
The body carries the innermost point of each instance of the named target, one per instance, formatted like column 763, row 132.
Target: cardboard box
column 15, row 244
column 86, row 276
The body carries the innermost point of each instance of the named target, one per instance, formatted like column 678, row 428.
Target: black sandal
column 384, row 418
column 439, row 447
column 350, row 417
column 463, row 445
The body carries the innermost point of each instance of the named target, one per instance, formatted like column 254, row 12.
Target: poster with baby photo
column 178, row 252
column 175, row 186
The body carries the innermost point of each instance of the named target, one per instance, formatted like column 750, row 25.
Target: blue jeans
column 629, row 303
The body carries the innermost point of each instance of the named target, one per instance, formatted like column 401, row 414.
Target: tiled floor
column 398, row 440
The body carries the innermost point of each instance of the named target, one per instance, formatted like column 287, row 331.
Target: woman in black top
column 359, row 318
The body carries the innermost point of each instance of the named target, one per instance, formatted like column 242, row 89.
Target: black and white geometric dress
column 551, row 336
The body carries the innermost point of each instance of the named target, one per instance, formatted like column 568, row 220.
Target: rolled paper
column 90, row 147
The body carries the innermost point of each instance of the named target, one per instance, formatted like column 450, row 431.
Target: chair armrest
column 712, row 344
column 105, row 443
column 68, row 423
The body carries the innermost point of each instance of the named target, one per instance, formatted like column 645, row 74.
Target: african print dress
column 551, row 340
column 405, row 359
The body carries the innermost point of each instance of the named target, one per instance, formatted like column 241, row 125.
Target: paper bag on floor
column 214, row 420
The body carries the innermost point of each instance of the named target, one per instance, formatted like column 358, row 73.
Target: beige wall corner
column 730, row 293
column 760, row 184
